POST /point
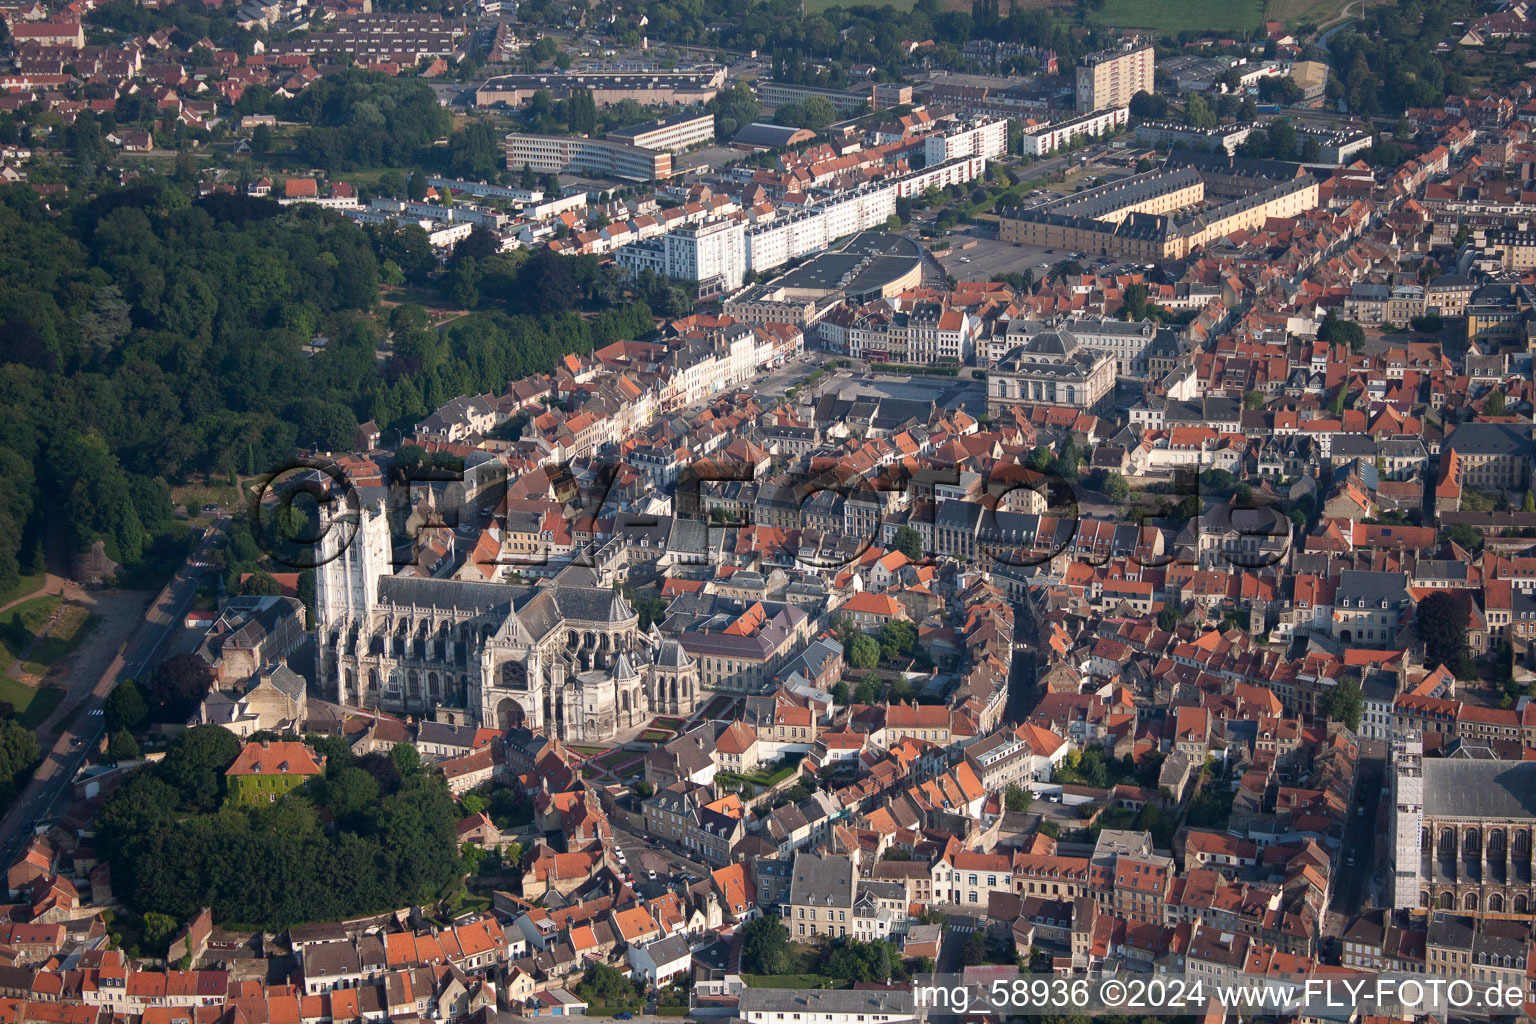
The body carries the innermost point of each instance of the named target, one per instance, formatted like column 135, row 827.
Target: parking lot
column 990, row 257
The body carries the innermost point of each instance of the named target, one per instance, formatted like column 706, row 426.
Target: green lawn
column 21, row 623
column 1176, row 15
column 24, row 585
column 71, row 627
column 32, row 703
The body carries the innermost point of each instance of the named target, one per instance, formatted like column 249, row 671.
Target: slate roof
column 1492, row 439
column 1479, row 789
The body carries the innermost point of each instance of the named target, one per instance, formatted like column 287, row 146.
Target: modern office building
column 1172, row 133
column 712, row 253
column 673, row 134
column 1110, row 78
column 1050, row 137
column 779, row 94
column 988, row 138
column 648, row 88
column 574, row 154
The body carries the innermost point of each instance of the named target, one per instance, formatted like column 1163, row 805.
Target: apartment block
column 1110, row 78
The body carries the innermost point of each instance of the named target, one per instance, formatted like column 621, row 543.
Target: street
column 957, row 932
column 35, row 805
column 1353, row 882
column 644, row 854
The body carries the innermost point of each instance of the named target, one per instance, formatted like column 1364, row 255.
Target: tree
column 472, row 804
column 1168, row 618
column 1345, row 704
column 261, row 140
column 416, row 189
column 840, row 693
column 1149, row 107
column 765, row 947
column 1441, row 622
column 122, row 746
column 909, row 542
column 864, row 652
column 583, row 112
column 1016, row 798
column 1253, row 400
column 406, row 757
column 261, row 584
column 1198, row 113
column 158, row 929
column 868, row 690
column 18, row 753
column 349, row 794
column 178, row 686
column 607, row 984
column 124, row 707
column 1493, row 405
column 975, row 949
column 195, row 764
column 1115, row 488
column 1335, row 329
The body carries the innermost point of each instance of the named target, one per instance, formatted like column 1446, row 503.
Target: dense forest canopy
column 1387, row 62
column 372, row 834
column 169, row 337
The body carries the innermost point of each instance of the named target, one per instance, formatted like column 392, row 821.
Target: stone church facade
column 564, row 658
column 1462, row 832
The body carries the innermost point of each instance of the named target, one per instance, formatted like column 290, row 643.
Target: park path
column 118, row 614
column 51, row 585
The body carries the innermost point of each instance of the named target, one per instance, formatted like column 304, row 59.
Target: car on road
column 210, row 508
column 624, row 1015
column 1360, row 811
column 1351, row 860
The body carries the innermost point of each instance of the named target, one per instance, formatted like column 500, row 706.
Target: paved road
column 1352, row 882
column 1022, row 673
column 35, row 806
column 1323, row 39
column 645, row 854
column 957, row 932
